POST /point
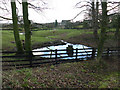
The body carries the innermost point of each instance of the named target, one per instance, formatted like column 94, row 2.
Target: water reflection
column 79, row 46
column 21, row 33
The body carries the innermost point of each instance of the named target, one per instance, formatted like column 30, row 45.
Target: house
column 65, row 23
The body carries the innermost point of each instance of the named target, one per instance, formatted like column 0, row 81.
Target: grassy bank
column 86, row 74
column 84, row 37
column 39, row 37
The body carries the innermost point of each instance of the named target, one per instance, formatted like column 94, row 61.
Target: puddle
column 59, row 47
column 21, row 33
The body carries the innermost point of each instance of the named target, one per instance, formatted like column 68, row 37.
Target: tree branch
column 78, row 14
column 84, row 6
column 113, row 7
column 83, row 1
column 5, row 18
column 35, row 7
column 3, row 8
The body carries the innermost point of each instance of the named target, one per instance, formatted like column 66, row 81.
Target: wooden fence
column 10, row 60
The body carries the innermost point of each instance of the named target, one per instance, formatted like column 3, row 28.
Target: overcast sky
column 58, row 10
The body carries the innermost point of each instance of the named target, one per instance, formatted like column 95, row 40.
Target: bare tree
column 101, row 15
column 103, row 30
column 38, row 6
column 92, row 10
column 26, row 27
column 15, row 28
column 95, row 20
column 14, row 13
column 27, row 23
column 5, row 10
column 118, row 29
column 104, row 25
column 118, row 22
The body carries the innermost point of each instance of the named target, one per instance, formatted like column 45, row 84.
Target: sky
column 60, row 10
column 57, row 10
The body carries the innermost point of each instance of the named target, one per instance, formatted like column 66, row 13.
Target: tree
column 104, row 24
column 103, row 30
column 95, row 19
column 117, row 33
column 26, row 27
column 92, row 10
column 15, row 28
column 56, row 23
column 15, row 20
column 5, row 9
column 117, row 25
column 94, row 14
column 86, row 24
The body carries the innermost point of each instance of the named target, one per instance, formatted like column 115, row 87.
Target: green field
column 39, row 37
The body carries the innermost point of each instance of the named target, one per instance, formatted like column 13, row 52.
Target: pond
column 21, row 33
column 59, row 47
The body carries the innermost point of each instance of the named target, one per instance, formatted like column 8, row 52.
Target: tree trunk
column 118, row 33
column 103, row 31
column 117, row 27
column 26, row 27
column 15, row 28
column 95, row 20
column 93, row 15
column 56, row 23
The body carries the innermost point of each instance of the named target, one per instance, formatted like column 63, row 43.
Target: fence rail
column 11, row 59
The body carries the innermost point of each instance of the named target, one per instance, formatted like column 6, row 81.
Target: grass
column 7, row 38
column 78, row 32
column 107, row 81
column 46, row 33
column 87, row 74
column 38, row 37
column 68, row 75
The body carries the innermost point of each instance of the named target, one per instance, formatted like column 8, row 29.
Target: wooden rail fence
column 11, row 60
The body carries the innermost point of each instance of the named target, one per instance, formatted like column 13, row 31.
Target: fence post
column 76, row 53
column 118, row 53
column 56, row 56
column 31, row 58
column 50, row 53
column 108, row 52
column 93, row 52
